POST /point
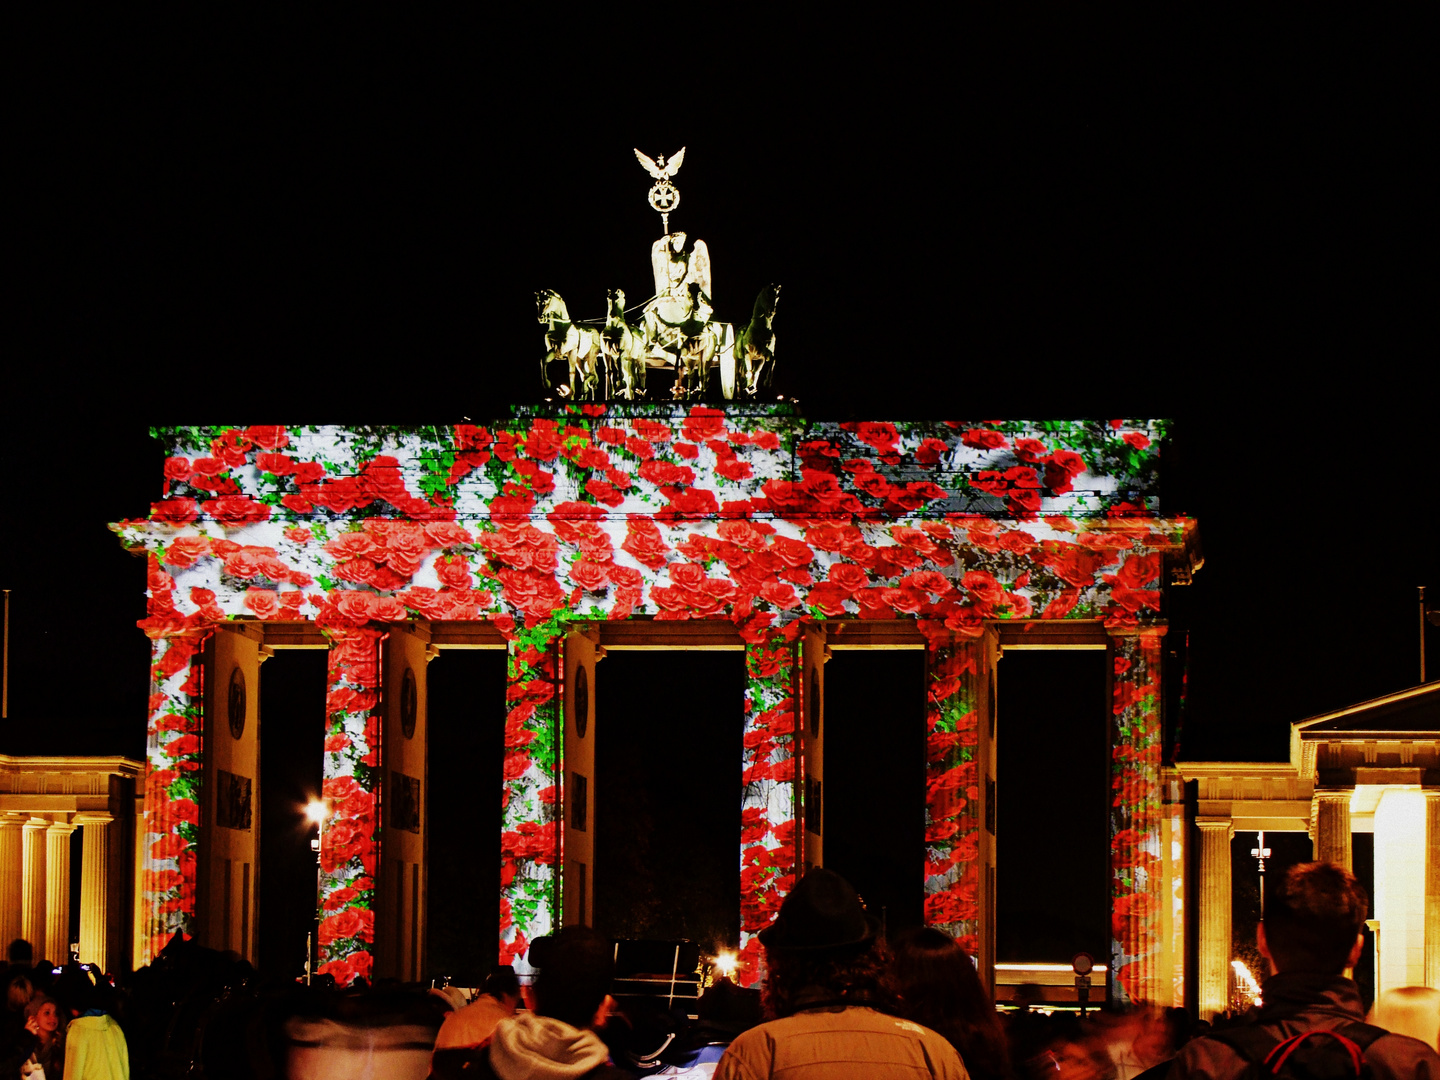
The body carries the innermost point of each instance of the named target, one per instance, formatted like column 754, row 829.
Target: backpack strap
column 1281, row 1051
column 1362, row 1035
column 1252, row 1043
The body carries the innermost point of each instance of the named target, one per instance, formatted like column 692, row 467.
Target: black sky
column 1211, row 217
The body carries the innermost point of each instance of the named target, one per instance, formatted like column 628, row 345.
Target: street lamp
column 1082, row 963
column 1261, row 853
column 316, row 811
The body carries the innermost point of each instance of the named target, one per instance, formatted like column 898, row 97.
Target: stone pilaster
column 94, row 886
column 57, row 891
column 32, row 917
column 1331, row 814
column 12, row 879
column 1432, row 888
column 1215, row 899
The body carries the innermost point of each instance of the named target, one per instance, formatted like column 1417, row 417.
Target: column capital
column 12, row 821
column 1215, row 824
column 60, row 828
column 93, row 817
column 36, row 823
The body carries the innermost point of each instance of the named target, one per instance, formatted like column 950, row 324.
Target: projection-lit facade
column 555, row 534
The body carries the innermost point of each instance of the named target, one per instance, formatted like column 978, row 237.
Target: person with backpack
column 1311, row 1023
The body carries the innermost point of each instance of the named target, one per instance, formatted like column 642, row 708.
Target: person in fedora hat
column 827, row 985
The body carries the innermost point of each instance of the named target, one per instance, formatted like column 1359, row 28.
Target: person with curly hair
column 829, row 991
column 940, row 989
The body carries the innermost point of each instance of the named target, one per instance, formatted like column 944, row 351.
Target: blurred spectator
column 1409, row 1010
column 95, row 1047
column 473, row 1025
column 43, row 1020
column 1314, row 913
column 829, row 986
column 16, row 1043
column 571, row 1000
column 940, row 989
column 380, row 1034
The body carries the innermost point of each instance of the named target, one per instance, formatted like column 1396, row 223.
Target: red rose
column 185, row 550
column 663, row 473
column 792, row 552
column 644, row 542
column 1139, row 570
column 652, row 431
column 588, row 575
column 268, row 438
column 237, row 510
column 930, row 451
column 983, row 439
column 174, row 511
column 453, row 572
column 848, row 576
column 263, row 602
column 1136, row 439
column 882, row 436
column 1031, row 450
column 176, row 468
column 703, row 424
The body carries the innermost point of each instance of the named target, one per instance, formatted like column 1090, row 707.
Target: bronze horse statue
column 755, row 347
column 581, row 349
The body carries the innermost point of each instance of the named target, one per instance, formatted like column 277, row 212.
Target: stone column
column 768, row 841
column 32, row 919
column 12, row 879
column 1432, row 888
column 1331, row 813
column 1136, row 861
column 57, row 891
column 954, row 773
column 350, row 837
column 1215, row 899
column 169, row 836
column 94, row 886
column 532, row 848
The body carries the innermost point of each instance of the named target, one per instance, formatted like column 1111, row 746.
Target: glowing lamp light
column 316, row 812
column 726, row 963
column 1247, row 980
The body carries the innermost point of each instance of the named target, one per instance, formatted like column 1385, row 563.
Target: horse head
column 550, row 306
column 765, row 304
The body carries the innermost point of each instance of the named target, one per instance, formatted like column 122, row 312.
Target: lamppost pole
column 315, row 812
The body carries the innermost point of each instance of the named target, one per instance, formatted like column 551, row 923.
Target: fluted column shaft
column 57, row 891
column 94, row 886
column 1215, row 929
column 32, row 904
column 1432, row 888
column 12, row 879
column 1332, row 828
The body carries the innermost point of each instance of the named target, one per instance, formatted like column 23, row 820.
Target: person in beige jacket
column 827, row 986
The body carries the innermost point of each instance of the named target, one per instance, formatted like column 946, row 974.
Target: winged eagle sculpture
column 659, row 169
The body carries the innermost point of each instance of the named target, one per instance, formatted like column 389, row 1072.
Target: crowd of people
column 839, row 999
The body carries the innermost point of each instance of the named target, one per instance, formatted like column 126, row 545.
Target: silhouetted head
column 577, row 967
column 1314, row 913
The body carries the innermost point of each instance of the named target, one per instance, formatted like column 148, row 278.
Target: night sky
column 1073, row 213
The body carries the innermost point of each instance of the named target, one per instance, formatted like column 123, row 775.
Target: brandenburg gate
column 562, row 530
